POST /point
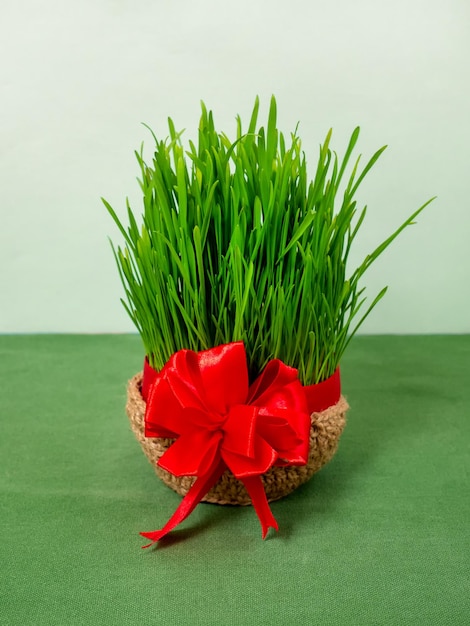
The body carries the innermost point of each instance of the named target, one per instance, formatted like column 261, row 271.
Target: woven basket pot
column 278, row 482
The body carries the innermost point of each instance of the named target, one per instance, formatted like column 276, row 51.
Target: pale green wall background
column 77, row 78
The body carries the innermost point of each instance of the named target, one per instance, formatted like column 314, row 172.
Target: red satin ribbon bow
column 219, row 421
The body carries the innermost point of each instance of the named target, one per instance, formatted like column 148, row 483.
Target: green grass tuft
column 238, row 244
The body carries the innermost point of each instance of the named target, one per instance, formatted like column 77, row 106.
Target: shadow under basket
column 278, row 482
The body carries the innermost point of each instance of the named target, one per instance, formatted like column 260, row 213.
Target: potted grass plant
column 237, row 279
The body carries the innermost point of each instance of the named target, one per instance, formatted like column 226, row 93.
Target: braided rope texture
column 278, row 482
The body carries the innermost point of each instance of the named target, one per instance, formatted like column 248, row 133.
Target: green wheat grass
column 236, row 243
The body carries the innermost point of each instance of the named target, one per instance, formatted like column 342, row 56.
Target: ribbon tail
column 190, row 501
column 255, row 489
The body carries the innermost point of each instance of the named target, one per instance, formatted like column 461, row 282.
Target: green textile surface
column 379, row 536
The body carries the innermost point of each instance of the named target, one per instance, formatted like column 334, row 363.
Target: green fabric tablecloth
column 379, row 536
